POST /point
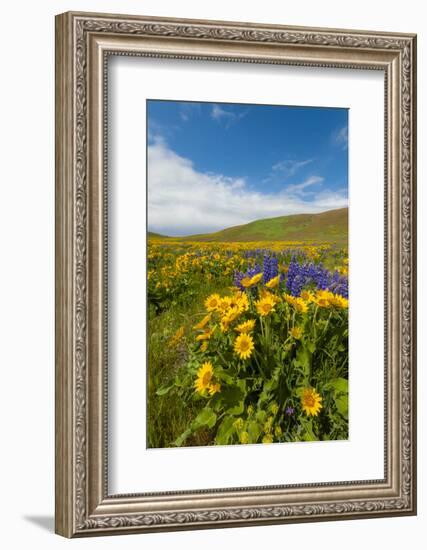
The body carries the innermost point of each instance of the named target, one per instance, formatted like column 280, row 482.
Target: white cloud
column 284, row 170
column 288, row 168
column 188, row 110
column 220, row 114
column 300, row 188
column 159, row 132
column 340, row 137
column 183, row 201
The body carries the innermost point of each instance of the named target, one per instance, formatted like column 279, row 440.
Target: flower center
column 244, row 345
column 207, row 378
column 309, row 401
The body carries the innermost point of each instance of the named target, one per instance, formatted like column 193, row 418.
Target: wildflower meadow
column 247, row 342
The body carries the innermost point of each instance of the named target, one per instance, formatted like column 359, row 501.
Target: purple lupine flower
column 239, row 275
column 301, row 275
column 253, row 270
column 297, row 284
column 293, row 271
column 340, row 287
column 270, row 267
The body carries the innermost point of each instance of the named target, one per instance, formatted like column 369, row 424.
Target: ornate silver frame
column 83, row 42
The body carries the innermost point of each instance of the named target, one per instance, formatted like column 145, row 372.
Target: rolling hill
column 154, row 236
column 330, row 226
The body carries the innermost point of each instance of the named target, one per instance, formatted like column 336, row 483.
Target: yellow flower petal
column 244, row 345
column 311, row 402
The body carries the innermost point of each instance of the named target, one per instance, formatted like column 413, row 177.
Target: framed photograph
column 235, row 274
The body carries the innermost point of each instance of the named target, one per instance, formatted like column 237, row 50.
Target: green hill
column 154, row 236
column 330, row 226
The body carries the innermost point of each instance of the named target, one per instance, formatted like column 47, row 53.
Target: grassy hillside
column 153, row 236
column 331, row 226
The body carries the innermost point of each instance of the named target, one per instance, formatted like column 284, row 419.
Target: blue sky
column 215, row 165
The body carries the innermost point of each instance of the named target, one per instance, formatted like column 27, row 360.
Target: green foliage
column 261, row 396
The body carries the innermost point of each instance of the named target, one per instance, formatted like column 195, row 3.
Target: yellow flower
column 322, row 302
column 289, row 299
column 256, row 279
column 244, row 345
column 232, row 313
column 311, row 402
column 201, row 325
column 224, row 325
column 266, row 294
column 204, row 346
column 233, row 300
column 268, row 438
column 212, row 302
column 338, row 301
column 176, row 337
column 265, row 305
column 298, row 303
column 296, row 332
column 244, row 438
column 205, row 335
column 224, row 304
column 246, row 282
column 274, row 408
column 214, row 388
column 306, row 295
column 242, row 301
column 247, row 326
column 323, row 298
column 274, row 282
column 204, row 377
column 342, row 270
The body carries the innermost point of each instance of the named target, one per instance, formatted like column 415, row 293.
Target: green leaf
column 308, row 434
column 232, row 398
column 283, row 392
column 261, row 416
column 311, row 346
column 254, row 431
column 205, row 418
column 299, row 390
column 304, row 360
column 225, row 431
column 341, row 403
column 237, row 410
column 164, row 391
column 304, row 356
column 223, row 376
column 180, row 440
column 339, row 385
